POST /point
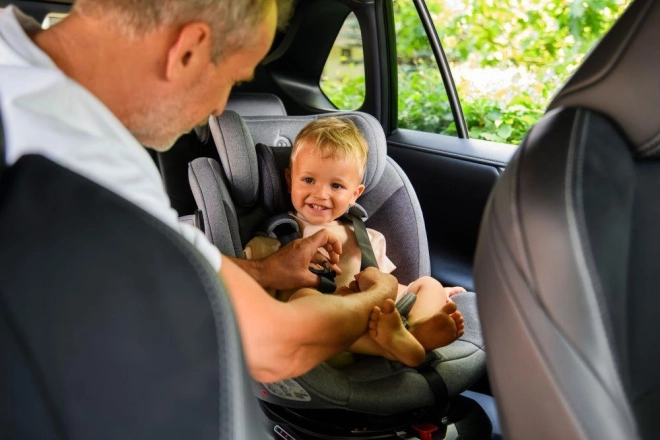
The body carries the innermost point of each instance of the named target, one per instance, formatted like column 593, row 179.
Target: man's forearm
column 252, row 268
column 331, row 325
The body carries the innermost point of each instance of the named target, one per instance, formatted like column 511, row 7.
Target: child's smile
column 322, row 189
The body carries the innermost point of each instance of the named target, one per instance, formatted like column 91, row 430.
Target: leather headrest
column 236, row 137
column 621, row 78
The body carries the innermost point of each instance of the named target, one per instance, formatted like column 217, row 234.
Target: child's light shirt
column 351, row 256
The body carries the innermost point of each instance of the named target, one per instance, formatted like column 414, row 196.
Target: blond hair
column 232, row 22
column 333, row 137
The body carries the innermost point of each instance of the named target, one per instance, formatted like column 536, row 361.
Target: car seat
column 111, row 324
column 569, row 251
column 248, row 186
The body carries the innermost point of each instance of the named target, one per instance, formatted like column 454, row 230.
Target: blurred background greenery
column 508, row 58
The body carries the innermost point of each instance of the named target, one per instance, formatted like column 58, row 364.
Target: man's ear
column 287, row 176
column 357, row 193
column 189, row 52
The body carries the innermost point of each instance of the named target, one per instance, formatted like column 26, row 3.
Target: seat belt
column 355, row 214
column 362, row 237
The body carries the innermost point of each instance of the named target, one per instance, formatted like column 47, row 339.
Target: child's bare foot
column 386, row 328
column 451, row 291
column 440, row 329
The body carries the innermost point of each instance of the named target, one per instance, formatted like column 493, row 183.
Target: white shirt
column 44, row 112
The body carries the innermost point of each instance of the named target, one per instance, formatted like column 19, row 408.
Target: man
column 116, row 74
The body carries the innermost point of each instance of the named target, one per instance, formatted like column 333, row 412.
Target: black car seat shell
column 568, row 254
column 248, row 187
column 111, row 324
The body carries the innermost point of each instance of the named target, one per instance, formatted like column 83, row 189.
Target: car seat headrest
column 255, row 104
column 247, row 104
column 236, row 137
column 619, row 78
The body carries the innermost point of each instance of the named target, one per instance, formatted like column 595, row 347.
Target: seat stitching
column 575, row 217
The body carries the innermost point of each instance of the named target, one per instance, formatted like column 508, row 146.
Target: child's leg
column 392, row 340
column 431, row 297
column 433, row 319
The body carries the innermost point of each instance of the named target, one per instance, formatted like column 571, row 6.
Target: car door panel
column 453, row 178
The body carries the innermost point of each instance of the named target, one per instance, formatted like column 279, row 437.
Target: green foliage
column 533, row 44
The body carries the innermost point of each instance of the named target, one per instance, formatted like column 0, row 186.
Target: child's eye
column 336, row 186
column 308, row 180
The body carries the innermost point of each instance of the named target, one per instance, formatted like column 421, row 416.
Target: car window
column 423, row 103
column 507, row 58
column 342, row 79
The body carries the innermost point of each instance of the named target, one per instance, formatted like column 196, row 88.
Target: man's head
column 167, row 65
column 232, row 22
column 328, row 162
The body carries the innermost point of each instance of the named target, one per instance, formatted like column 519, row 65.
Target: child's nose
column 320, row 191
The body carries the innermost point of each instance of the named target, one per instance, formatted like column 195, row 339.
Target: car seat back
column 173, row 164
column 568, row 254
column 256, row 185
column 248, row 187
column 111, row 324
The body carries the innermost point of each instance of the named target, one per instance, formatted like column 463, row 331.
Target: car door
column 429, row 138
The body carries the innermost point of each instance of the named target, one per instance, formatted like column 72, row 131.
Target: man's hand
column 372, row 277
column 288, row 268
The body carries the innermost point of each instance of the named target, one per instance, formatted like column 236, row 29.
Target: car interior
column 561, row 246
column 235, row 201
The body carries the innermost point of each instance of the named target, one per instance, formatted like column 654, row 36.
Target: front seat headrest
column 620, row 78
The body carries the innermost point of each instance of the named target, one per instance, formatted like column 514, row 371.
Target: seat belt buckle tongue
column 327, row 275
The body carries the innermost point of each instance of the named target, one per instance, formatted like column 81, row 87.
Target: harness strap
column 367, row 251
column 437, row 385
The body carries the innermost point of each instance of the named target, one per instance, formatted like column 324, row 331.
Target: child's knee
column 426, row 282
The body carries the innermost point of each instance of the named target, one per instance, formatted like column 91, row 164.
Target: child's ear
column 357, row 193
column 287, row 176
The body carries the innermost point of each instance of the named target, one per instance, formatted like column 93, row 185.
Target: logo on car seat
column 282, row 141
column 288, row 389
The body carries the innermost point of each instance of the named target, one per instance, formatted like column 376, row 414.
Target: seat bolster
column 237, row 155
column 213, row 199
column 407, row 245
column 537, row 299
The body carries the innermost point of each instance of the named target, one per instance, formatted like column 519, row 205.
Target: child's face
column 322, row 189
